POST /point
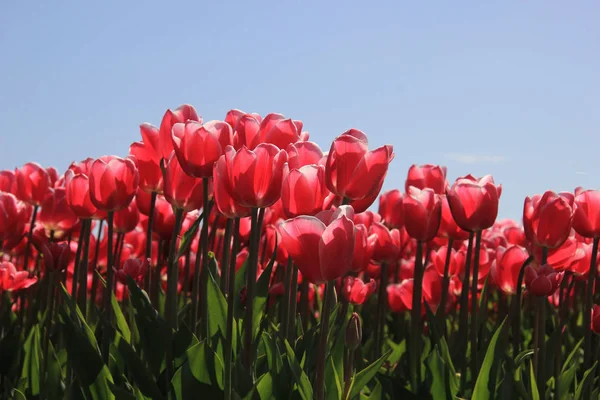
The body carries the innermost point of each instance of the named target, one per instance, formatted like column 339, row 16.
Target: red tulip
column 387, row 246
column 362, row 205
column 448, row 228
column 595, row 319
column 182, row 113
column 182, row 190
column 277, row 130
column 223, row 192
column 547, row 219
column 164, row 218
column 12, row 213
column 586, row 216
column 255, row 176
column 423, row 213
column 12, row 280
column 304, row 153
column 355, row 291
column 199, row 146
column 147, row 155
column 321, row 250
column 432, row 287
column 303, row 191
column 135, row 268
column 33, row 183
column 427, row 176
column 438, row 258
column 126, row 219
column 56, row 255
column 400, row 296
column 246, row 131
column 542, row 280
column 364, row 245
column 8, row 182
column 354, row 172
column 77, row 188
column 113, row 182
column 56, row 214
column 390, row 208
column 233, row 116
column 367, row 218
column 474, row 202
column 505, row 269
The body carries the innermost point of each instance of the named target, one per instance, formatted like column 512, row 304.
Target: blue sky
column 509, row 88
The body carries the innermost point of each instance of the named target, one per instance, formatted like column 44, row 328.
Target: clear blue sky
column 509, row 88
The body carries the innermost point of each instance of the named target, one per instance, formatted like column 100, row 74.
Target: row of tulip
column 238, row 259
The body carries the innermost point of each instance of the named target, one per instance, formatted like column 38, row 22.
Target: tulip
column 246, row 131
column 126, row 220
column 113, row 182
column 134, row 267
column 586, row 216
column 474, row 202
column 56, row 255
column 277, row 130
column 364, row 246
column 304, row 153
column 367, row 218
column 423, row 213
column 77, row 187
column 542, row 281
column 400, row 296
column 181, row 190
column 198, row 146
column 303, row 191
column 12, row 222
column 33, row 183
column 147, row 155
column 181, row 114
column 506, row 267
column 390, row 208
column 12, row 280
column 255, row 176
column 448, row 227
column 356, row 291
column 595, row 324
column 8, row 182
column 427, row 176
column 323, row 252
column 547, row 219
column 56, row 215
column 223, row 192
column 354, row 172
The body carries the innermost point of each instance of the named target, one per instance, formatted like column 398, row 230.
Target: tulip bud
column 353, row 332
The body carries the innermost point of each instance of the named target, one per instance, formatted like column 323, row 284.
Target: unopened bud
column 353, row 332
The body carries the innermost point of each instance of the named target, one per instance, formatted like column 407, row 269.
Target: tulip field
column 236, row 259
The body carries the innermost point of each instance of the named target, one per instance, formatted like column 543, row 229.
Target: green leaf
column 398, row 349
column 262, row 291
column 122, row 325
column 139, row 373
column 535, row 393
column 121, row 393
column 53, row 367
column 522, row 356
column 217, row 304
column 364, row 376
column 201, row 374
column 18, row 395
column 436, row 379
column 188, row 237
column 304, row 386
column 334, row 370
column 87, row 363
column 240, row 282
column 263, row 389
column 377, row 392
column 571, row 356
column 585, row 381
column 485, row 385
column 333, row 384
column 565, row 382
column 452, row 381
column 31, row 363
column 152, row 327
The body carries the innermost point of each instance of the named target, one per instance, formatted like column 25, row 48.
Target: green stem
column 203, row 273
column 94, row 290
column 587, row 311
column 257, row 218
column 515, row 306
column 380, row 311
column 171, row 299
column 463, row 323
column 226, row 254
column 293, row 304
column 415, row 320
column 230, row 303
column 107, row 309
column 148, row 253
column 29, row 238
column 474, row 307
column 285, row 302
column 445, row 284
column 322, row 350
column 83, row 270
